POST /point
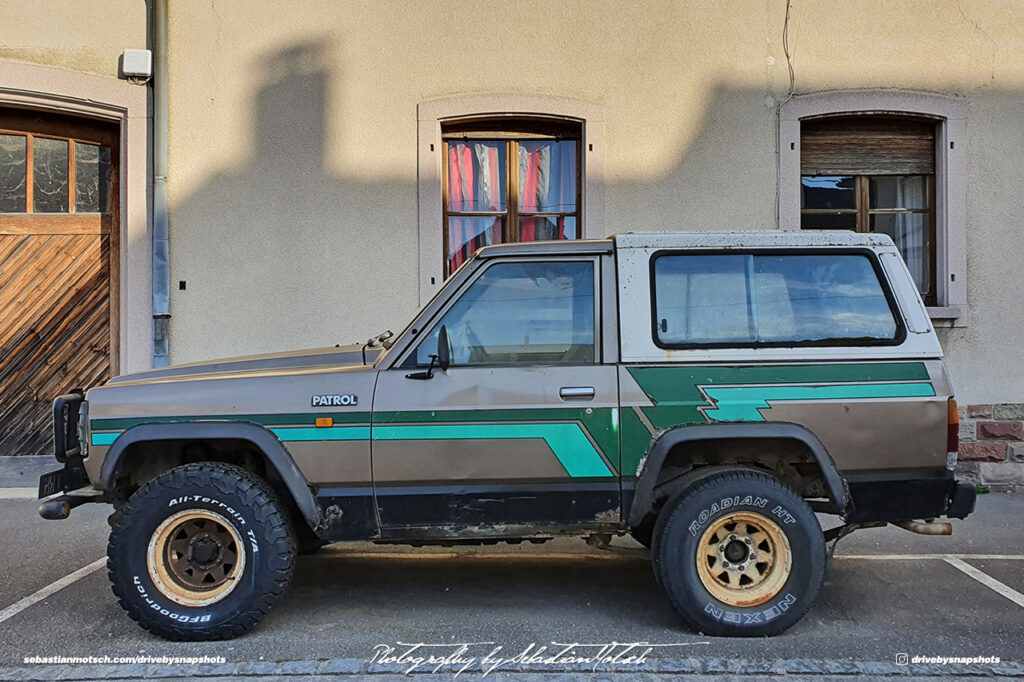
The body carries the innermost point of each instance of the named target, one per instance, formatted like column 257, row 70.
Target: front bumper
column 69, row 486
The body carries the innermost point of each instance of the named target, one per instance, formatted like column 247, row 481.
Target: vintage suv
column 705, row 392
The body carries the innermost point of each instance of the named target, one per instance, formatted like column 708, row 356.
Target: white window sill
column 948, row 316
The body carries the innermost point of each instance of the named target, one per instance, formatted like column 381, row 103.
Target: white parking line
column 955, row 560
column 36, row 597
column 941, row 557
column 19, row 493
column 987, row 580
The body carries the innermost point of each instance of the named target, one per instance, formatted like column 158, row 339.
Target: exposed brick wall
column 992, row 444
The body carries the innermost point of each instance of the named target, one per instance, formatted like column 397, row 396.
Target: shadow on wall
column 280, row 254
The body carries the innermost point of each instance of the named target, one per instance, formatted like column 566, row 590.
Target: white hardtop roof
column 749, row 238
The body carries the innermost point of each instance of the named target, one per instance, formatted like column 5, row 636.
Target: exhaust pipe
column 928, row 528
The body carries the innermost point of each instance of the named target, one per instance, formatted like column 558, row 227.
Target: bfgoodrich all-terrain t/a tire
column 739, row 554
column 201, row 552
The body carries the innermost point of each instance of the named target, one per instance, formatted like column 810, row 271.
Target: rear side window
column 770, row 299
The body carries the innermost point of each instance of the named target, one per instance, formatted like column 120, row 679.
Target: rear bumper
column 885, row 497
column 962, row 501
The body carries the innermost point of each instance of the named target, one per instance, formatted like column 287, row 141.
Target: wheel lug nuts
column 725, row 564
column 721, row 548
column 732, row 537
column 746, row 540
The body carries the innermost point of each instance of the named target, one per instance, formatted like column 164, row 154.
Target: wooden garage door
column 58, row 203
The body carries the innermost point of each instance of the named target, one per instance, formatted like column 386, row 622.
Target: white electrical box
column 137, row 64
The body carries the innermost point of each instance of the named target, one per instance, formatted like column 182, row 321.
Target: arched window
column 508, row 180
column 883, row 161
column 534, row 139
column 873, row 173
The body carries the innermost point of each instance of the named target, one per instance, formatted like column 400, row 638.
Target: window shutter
column 867, row 145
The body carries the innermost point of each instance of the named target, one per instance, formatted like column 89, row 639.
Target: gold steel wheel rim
column 195, row 557
column 744, row 559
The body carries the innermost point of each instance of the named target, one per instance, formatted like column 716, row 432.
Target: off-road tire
column 252, row 509
column 687, row 525
column 679, row 485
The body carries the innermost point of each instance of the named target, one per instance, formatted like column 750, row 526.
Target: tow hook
column 929, row 527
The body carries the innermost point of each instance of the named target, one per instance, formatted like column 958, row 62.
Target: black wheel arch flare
column 643, row 495
column 267, row 443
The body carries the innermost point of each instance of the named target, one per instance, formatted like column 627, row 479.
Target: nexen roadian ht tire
column 201, row 552
column 739, row 554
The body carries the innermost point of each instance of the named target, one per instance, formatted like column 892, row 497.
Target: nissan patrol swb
column 707, row 393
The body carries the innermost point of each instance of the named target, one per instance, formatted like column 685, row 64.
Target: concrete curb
column 709, row 667
column 24, row 471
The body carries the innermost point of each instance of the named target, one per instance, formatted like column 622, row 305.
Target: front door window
column 522, row 313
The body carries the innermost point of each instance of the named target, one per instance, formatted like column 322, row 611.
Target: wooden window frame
column 951, row 149
column 873, row 145
column 863, row 212
column 512, row 131
column 71, row 222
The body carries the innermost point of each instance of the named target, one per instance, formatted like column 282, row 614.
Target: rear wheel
column 739, row 554
column 202, row 551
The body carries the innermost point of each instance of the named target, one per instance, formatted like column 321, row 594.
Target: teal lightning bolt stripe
column 743, row 403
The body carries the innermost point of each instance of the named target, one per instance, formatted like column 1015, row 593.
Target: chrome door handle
column 576, row 392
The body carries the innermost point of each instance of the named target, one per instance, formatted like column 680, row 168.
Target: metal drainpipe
column 161, row 264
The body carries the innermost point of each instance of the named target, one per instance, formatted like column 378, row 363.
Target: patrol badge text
column 335, row 400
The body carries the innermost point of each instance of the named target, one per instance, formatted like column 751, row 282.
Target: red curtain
column 475, row 183
column 547, row 181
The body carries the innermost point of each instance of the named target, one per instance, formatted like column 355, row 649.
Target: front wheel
column 739, row 554
column 201, row 552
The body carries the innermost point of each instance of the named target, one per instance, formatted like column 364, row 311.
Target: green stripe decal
column 331, row 433
column 743, row 403
column 567, row 441
column 104, row 438
column 286, row 419
column 285, row 434
column 680, row 394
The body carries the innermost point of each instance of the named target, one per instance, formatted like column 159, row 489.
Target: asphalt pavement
column 356, row 609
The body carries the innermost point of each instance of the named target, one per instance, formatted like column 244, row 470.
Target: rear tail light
column 952, row 426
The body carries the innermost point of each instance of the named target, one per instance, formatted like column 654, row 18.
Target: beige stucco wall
column 293, row 141
column 70, row 34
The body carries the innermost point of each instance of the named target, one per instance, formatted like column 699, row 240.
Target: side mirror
column 442, row 358
column 444, row 352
